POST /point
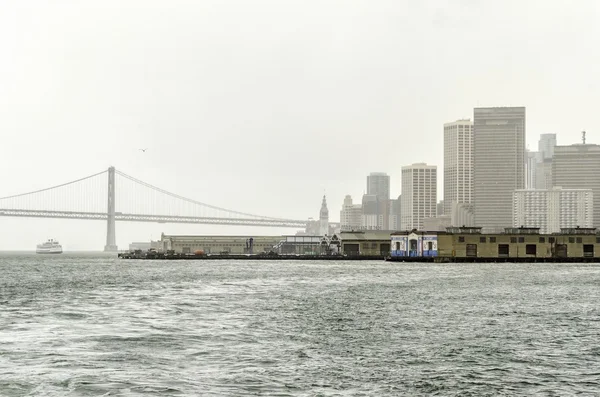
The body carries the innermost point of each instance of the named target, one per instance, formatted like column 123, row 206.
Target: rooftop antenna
column 583, row 136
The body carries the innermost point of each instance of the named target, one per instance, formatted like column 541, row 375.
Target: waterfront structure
column 414, row 244
column 350, row 215
column 554, row 209
column 458, row 164
column 324, row 218
column 577, row 167
column 187, row 244
column 144, row 246
column 308, row 245
column 370, row 242
column 499, row 164
column 513, row 244
column 419, row 195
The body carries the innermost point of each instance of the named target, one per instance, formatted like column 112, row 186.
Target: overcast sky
column 262, row 106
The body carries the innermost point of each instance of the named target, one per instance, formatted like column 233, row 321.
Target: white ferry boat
column 49, row 247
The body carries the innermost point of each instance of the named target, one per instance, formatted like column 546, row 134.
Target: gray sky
column 263, row 106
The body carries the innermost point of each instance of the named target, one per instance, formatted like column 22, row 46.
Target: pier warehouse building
column 470, row 244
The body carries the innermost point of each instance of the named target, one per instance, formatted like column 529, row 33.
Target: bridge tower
column 111, row 239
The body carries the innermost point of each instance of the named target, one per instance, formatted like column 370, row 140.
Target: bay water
column 94, row 325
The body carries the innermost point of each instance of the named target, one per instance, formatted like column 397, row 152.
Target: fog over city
column 265, row 106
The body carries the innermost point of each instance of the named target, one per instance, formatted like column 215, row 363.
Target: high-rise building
column 546, row 146
column 576, row 167
column 350, row 215
column 440, row 208
column 462, row 215
column 419, row 195
column 378, row 184
column 553, row 209
column 543, row 174
column 371, row 212
column 542, row 179
column 324, row 219
column 498, row 164
column 395, row 213
column 458, row 163
column 531, row 169
column 376, row 201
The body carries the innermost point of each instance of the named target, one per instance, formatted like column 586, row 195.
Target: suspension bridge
column 112, row 195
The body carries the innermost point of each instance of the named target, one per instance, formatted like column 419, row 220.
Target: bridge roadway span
column 119, row 216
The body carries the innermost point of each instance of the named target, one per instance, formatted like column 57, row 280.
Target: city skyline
column 458, row 138
column 253, row 110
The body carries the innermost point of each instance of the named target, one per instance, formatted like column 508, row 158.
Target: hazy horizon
column 263, row 107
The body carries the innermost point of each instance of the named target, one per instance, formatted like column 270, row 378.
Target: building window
column 551, row 240
column 531, row 249
column 579, row 240
column 542, row 239
column 482, row 239
column 513, row 239
column 461, row 239
column 492, row 239
column 571, row 239
column 472, row 250
column 521, row 239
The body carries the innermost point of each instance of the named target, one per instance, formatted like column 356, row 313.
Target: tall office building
column 376, row 201
column 546, row 146
column 395, row 212
column 498, row 164
column 543, row 174
column 372, row 212
column 350, row 215
column 576, row 167
column 553, row 209
column 458, row 164
column 378, row 184
column 419, row 195
column 531, row 169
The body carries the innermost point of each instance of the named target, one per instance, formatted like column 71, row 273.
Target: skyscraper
column 553, row 209
column 419, row 195
column 531, row 169
column 546, row 145
column 371, row 219
column 499, row 164
column 395, row 213
column 543, row 169
column 576, row 167
column 458, row 164
column 350, row 215
column 376, row 202
column 378, row 184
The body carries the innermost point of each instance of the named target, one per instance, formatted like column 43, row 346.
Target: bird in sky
column 144, row 150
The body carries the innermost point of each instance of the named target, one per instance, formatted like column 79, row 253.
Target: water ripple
column 82, row 325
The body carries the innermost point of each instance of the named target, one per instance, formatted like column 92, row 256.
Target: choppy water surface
column 92, row 326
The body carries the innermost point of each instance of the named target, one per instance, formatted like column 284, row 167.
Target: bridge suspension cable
column 191, row 201
column 54, row 187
